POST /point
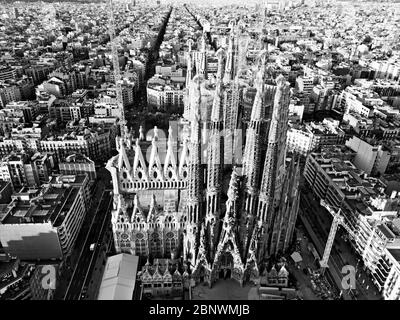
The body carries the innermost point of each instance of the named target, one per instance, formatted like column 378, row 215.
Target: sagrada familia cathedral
column 178, row 197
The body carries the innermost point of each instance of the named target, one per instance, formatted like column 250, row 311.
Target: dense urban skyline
column 175, row 150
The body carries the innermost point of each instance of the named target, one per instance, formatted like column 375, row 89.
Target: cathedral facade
column 176, row 197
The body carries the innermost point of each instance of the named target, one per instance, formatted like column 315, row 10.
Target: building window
column 170, row 243
column 140, row 245
column 156, row 245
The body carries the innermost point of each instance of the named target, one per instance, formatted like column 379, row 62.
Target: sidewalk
column 72, row 259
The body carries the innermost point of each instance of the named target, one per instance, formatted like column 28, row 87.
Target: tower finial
column 190, row 43
column 155, row 129
column 280, row 81
column 220, row 54
column 141, row 133
column 170, row 132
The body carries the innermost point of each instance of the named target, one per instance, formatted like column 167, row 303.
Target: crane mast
column 338, row 220
column 117, row 74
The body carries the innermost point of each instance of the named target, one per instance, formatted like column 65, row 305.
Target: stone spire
column 228, row 241
column 202, row 65
column 155, row 167
column 195, row 172
column 123, row 162
column 189, row 76
column 252, row 156
column 229, row 68
column 139, row 168
column 189, row 72
column 251, row 169
column 266, row 210
column 153, row 211
column 195, row 178
column 215, row 157
column 267, row 190
column 233, row 195
column 170, row 159
column 137, row 213
column 286, row 214
column 220, row 54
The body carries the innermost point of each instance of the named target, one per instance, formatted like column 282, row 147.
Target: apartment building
column 8, row 93
column 8, row 146
column 7, row 73
column 305, row 84
column 369, row 213
column 78, row 164
column 307, row 137
column 93, row 143
column 167, row 96
column 43, row 223
column 372, row 158
column 22, row 169
column 70, row 109
column 21, row 111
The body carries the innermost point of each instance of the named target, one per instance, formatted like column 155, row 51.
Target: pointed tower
column 265, row 212
column 138, row 215
column 123, row 162
column 170, row 166
column 242, row 43
column 228, row 250
column 139, row 167
column 229, row 68
column 155, row 168
column 189, row 73
column 215, row 158
column 231, row 96
column 202, row 63
column 195, row 178
column 252, row 159
column 184, row 160
column 189, row 76
column 286, row 213
column 153, row 211
column 202, row 268
column 251, row 268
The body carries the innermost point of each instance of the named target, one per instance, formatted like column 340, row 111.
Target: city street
column 86, row 258
column 69, row 265
column 304, row 286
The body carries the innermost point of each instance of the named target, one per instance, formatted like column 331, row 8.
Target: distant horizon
column 213, row 2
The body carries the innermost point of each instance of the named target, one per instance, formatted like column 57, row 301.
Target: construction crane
column 338, row 220
column 117, row 74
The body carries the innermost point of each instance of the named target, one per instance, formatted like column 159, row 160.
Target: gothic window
column 140, row 244
column 125, row 244
column 124, row 237
column 170, row 243
column 156, row 245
